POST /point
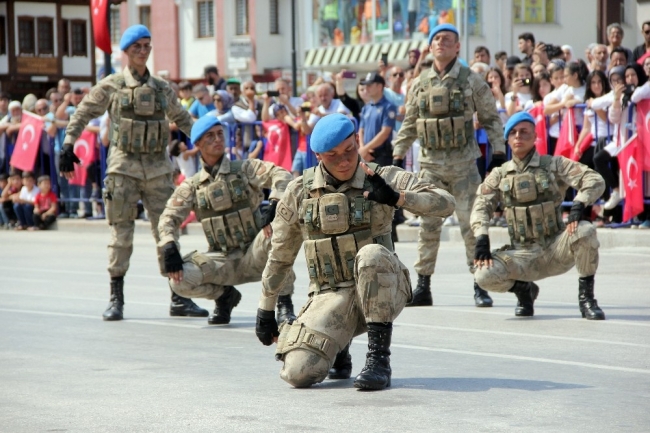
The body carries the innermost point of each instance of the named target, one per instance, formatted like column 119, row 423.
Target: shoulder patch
column 97, row 94
column 285, row 213
column 250, row 169
column 403, row 181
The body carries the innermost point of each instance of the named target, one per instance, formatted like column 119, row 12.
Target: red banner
column 84, row 148
column 568, row 135
column 643, row 131
column 101, row 31
column 27, row 142
column 584, row 145
column 632, row 174
column 540, row 129
column 278, row 144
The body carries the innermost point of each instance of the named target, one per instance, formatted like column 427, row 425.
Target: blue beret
column 329, row 132
column 132, row 34
column 515, row 120
column 442, row 28
column 202, row 126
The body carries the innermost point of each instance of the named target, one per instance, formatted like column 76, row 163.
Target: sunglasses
column 398, row 74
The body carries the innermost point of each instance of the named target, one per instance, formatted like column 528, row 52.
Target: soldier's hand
column 173, row 262
column 482, row 254
column 266, row 327
column 67, row 159
column 575, row 215
column 398, row 162
column 381, row 192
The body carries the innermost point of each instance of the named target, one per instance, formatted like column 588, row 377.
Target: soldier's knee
column 303, row 368
column 372, row 258
column 493, row 279
column 192, row 278
column 587, row 236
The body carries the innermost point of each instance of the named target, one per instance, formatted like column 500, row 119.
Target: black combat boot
column 526, row 294
column 185, row 307
column 376, row 373
column 114, row 310
column 225, row 304
column 481, row 297
column 285, row 310
column 422, row 293
column 588, row 305
column 342, row 368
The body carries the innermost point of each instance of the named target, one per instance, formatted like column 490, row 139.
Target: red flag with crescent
column 84, row 148
column 643, row 131
column 27, row 142
column 632, row 174
column 540, row 129
column 278, row 144
column 101, row 32
column 568, row 135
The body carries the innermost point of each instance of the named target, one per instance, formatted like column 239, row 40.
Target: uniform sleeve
column 420, row 197
column 589, row 184
column 177, row 209
column 388, row 116
column 407, row 132
column 93, row 105
column 176, row 113
column 265, row 174
column 285, row 245
column 487, row 198
column 486, row 110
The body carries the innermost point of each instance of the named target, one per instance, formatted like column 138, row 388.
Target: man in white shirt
column 329, row 105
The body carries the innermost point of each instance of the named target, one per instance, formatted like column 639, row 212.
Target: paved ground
column 456, row 368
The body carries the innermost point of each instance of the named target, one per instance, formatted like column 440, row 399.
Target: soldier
column 531, row 189
column 138, row 166
column 225, row 196
column 439, row 112
column 342, row 209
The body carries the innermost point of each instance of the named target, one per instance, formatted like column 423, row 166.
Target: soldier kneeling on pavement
column 342, row 210
column 225, row 196
column 531, row 189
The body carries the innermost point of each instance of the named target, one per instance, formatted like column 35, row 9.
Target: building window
column 45, row 35
column 79, row 38
column 274, row 23
column 26, row 40
column 206, row 19
column 241, row 17
column 145, row 16
column 116, row 25
column 533, row 11
column 3, row 37
column 65, row 38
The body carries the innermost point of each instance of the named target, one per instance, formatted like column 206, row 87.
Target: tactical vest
column 337, row 226
column 529, row 207
column 227, row 210
column 443, row 124
column 139, row 124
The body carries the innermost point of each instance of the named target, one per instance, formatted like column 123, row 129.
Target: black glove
column 266, row 327
column 576, row 211
column 397, row 162
column 67, row 158
column 381, row 192
column 497, row 161
column 482, row 249
column 173, row 259
column 269, row 213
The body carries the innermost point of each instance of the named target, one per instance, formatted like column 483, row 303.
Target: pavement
column 456, row 368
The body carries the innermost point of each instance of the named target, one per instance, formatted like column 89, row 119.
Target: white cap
column 15, row 104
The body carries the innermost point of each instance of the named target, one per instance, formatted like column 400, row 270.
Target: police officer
column 138, row 166
column 531, row 189
column 225, row 196
column 342, row 211
column 439, row 112
column 377, row 123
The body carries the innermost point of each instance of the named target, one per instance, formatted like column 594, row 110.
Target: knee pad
column 303, row 368
column 299, row 336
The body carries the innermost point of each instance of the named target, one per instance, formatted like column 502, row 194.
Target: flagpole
column 107, row 56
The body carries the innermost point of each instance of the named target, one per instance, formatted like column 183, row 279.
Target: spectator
column 377, row 123
column 4, row 104
column 353, row 104
column 55, row 99
column 500, row 59
column 29, row 101
column 598, row 58
column 540, row 54
column 63, row 86
column 480, row 67
column 24, row 202
column 568, row 53
column 541, row 87
column 4, row 219
column 497, row 82
column 329, row 105
column 41, row 107
column 527, row 47
column 12, row 189
column 395, row 96
column 618, row 57
column 615, row 35
column 511, row 62
column 482, row 54
column 45, row 205
column 211, row 74
column 202, row 104
column 520, row 92
column 185, row 94
column 281, row 113
column 246, row 109
column 643, row 51
column 233, row 86
column 292, row 103
column 413, row 58
column 10, row 124
column 537, row 69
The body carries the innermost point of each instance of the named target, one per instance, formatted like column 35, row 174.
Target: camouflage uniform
column 531, row 192
column 138, row 165
column 226, row 200
column 440, row 113
column 355, row 276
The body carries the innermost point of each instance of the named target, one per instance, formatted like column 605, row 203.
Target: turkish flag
column 584, row 145
column 632, row 174
column 278, row 144
column 540, row 129
column 28, row 142
column 84, row 148
column 568, row 135
column 100, row 25
column 643, row 131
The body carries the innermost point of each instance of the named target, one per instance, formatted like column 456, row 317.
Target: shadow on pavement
column 466, row 384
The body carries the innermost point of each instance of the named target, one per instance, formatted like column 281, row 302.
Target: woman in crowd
column 541, row 87
column 537, row 69
column 520, row 94
column 595, row 120
column 497, row 82
column 568, row 53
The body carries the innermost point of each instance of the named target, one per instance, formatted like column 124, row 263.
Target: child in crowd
column 6, row 198
column 4, row 219
column 24, row 202
column 45, row 205
column 185, row 94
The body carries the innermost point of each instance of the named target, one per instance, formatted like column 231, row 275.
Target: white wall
column 272, row 51
column 35, row 10
column 78, row 65
column 4, row 60
column 134, row 18
column 194, row 53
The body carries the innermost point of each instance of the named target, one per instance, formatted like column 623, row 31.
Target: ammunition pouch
column 298, row 336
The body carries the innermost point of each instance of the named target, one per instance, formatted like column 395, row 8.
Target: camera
column 272, row 93
column 526, row 82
